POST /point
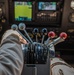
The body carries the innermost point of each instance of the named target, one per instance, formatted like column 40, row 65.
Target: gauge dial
column 71, row 17
column 72, row 4
column 0, row 28
column 0, row 11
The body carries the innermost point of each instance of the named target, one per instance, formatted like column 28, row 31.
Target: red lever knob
column 63, row 35
column 51, row 34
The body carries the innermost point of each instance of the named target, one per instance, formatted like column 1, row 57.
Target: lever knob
column 14, row 27
column 35, row 31
column 44, row 31
column 22, row 26
column 51, row 34
column 63, row 35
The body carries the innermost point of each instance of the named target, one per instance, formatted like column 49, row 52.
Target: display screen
column 23, row 11
column 47, row 5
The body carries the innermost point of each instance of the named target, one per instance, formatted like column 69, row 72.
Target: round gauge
column 71, row 17
column 72, row 4
column 0, row 11
column 0, row 28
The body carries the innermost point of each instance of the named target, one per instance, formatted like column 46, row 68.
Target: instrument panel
column 37, row 13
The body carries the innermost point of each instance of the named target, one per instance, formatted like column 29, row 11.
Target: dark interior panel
column 58, row 18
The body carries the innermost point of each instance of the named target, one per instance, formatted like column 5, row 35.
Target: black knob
column 35, row 31
column 44, row 31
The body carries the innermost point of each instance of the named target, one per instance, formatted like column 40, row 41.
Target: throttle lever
column 61, row 38
column 22, row 26
column 35, row 31
column 51, row 34
column 15, row 27
column 44, row 31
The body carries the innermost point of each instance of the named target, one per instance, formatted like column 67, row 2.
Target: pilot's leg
column 60, row 67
